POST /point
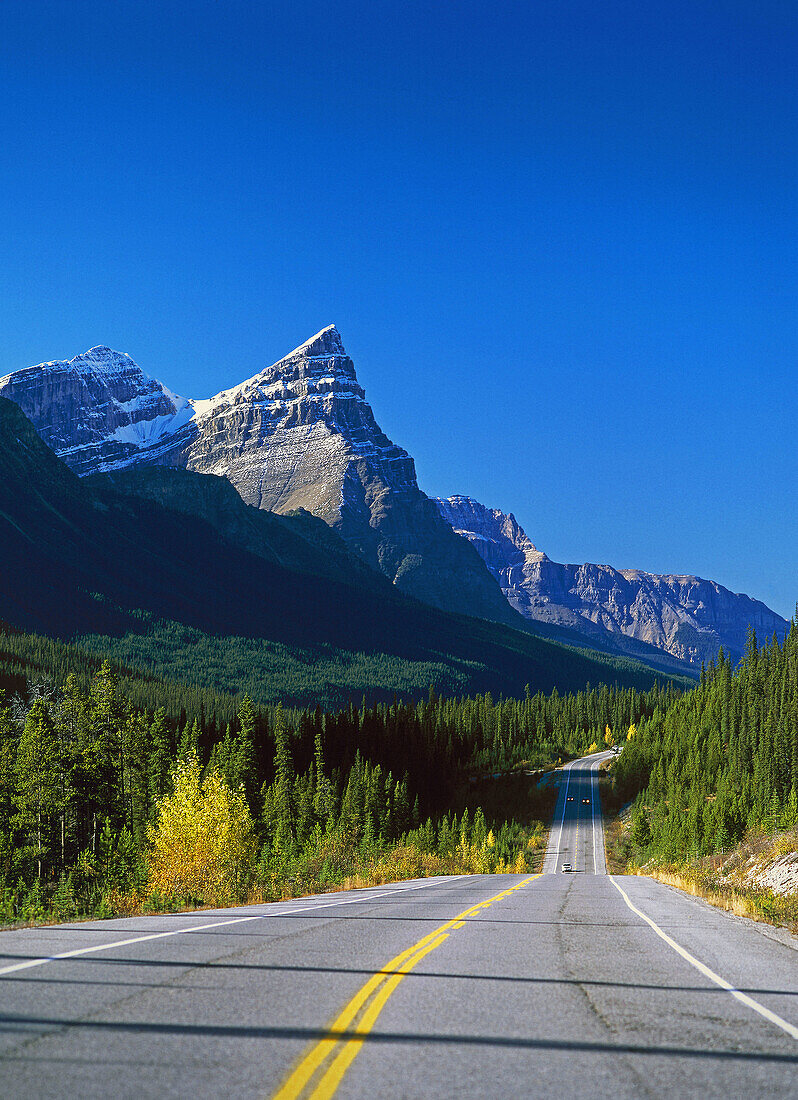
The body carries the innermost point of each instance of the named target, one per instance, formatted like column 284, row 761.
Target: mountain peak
column 320, row 363
column 326, row 342
column 100, row 352
column 99, row 411
column 477, row 522
column 102, row 358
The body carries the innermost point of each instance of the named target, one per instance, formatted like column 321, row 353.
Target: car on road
column 565, row 868
column 587, row 800
column 570, row 798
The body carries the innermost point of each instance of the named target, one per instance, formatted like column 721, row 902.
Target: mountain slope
column 298, row 435
column 686, row 616
column 299, row 542
column 81, row 558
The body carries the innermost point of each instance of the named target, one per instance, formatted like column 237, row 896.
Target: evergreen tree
column 159, row 759
column 38, row 780
column 284, row 811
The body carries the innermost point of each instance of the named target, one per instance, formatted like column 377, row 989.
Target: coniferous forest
column 120, row 792
column 719, row 761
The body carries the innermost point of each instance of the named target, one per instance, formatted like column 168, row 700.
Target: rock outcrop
column 499, row 540
column 686, row 616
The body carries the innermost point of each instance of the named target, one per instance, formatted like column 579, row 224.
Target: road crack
column 577, row 978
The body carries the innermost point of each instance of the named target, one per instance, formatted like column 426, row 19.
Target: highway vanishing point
column 551, row 985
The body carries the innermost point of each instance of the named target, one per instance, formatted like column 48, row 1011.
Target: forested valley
column 121, row 793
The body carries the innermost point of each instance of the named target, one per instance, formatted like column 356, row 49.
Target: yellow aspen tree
column 202, row 845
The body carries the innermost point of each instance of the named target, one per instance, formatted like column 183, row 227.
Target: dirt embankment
column 763, row 863
column 757, row 879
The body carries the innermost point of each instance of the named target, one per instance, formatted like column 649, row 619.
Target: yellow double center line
column 320, row 1072
column 576, row 839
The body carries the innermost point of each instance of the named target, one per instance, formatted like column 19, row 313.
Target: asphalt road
column 577, row 833
column 552, row 985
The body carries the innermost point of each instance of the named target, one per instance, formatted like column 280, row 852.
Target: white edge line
column 593, row 807
column 713, row 977
column 29, row 964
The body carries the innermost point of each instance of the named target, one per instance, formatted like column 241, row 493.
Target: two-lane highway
column 482, row 986
column 577, row 834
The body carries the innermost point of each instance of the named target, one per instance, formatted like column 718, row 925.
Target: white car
column 565, row 868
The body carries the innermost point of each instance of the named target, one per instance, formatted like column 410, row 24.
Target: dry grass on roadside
column 759, row 905
column 740, row 881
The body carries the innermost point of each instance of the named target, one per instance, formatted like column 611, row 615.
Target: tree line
column 91, row 784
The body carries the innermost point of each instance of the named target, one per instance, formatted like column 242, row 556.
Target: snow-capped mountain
column 686, row 616
column 300, row 434
column 99, row 411
column 288, row 437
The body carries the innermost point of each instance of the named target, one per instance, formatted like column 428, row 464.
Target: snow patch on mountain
column 100, row 411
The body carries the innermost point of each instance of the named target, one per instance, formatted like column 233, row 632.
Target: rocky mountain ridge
column 99, row 411
column 686, row 616
column 300, row 434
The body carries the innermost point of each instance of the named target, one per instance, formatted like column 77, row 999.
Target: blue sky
column 559, row 240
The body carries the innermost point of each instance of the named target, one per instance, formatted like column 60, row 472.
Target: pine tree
column 283, row 805
column 37, row 775
column 246, row 771
column 189, row 740
column 159, row 759
column 790, row 815
column 322, row 803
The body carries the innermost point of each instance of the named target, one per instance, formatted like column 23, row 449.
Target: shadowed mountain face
column 79, row 556
column 299, row 435
column 299, row 542
column 685, row 616
column 116, row 554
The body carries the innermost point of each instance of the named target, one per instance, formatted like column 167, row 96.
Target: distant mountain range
column 686, row 616
column 301, row 435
